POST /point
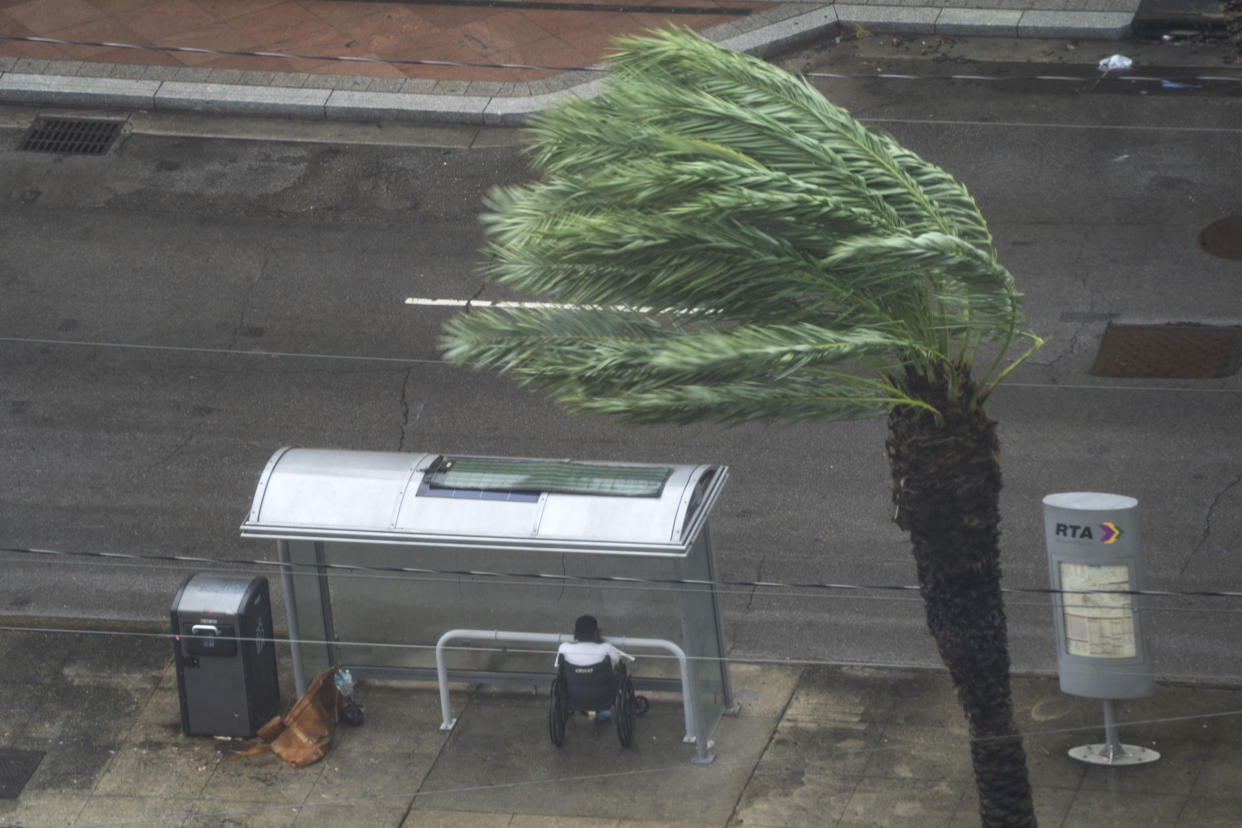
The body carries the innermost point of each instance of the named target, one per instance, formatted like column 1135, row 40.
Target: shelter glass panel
column 701, row 637
column 497, row 474
column 392, row 613
column 306, row 558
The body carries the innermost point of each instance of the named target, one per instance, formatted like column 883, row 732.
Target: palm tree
column 719, row 242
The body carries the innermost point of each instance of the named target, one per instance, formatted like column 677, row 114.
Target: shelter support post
column 309, row 608
column 325, row 601
column 731, row 707
column 295, row 627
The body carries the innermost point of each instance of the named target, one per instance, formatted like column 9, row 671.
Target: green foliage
column 728, row 245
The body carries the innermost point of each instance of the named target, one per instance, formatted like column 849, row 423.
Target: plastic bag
column 1116, row 63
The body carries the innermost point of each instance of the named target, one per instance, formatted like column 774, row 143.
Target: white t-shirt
column 585, row 653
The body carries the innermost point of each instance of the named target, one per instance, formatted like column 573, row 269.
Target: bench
column 696, row 728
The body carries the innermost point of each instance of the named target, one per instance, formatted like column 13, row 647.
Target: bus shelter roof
column 468, row 502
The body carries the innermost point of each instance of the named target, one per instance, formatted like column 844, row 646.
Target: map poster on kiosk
column 1098, row 612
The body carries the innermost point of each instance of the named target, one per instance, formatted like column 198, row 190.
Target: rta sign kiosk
column 1094, row 556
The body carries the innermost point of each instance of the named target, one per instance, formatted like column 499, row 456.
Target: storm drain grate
column 1168, row 351
column 79, row 136
column 16, row 768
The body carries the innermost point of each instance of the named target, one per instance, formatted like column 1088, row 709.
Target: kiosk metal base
column 1114, row 754
column 1112, row 751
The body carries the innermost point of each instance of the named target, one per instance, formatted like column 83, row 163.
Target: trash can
column 226, row 660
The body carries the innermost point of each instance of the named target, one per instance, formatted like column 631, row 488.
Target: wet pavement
column 815, row 745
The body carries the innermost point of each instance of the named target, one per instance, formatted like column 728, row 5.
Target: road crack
column 406, row 421
column 177, row 449
column 1207, row 521
column 240, row 329
column 758, row 577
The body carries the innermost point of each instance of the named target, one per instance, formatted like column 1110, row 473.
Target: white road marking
column 502, row 303
column 482, row 303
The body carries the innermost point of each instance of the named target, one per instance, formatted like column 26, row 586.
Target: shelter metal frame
column 307, row 499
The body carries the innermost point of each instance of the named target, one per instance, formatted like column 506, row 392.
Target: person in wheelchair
column 591, row 676
column 588, row 647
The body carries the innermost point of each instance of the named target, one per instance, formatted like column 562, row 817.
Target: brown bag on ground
column 303, row 735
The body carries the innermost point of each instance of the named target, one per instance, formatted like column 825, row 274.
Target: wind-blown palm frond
column 769, row 232
column 617, row 361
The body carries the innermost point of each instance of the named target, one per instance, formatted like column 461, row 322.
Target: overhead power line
column 1186, row 82
column 1170, row 387
column 559, row 577
column 345, row 645
column 291, row 56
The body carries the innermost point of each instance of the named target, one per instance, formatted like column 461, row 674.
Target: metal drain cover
column 1168, row 351
column 1223, row 238
column 79, row 136
column 16, row 768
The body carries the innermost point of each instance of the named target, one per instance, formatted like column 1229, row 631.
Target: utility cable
column 545, row 654
column 908, row 597
column 1179, row 82
column 558, row 577
column 737, row 593
column 191, row 349
column 510, row 650
column 290, row 56
column 194, row 349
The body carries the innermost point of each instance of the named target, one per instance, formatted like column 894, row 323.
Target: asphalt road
column 175, row 311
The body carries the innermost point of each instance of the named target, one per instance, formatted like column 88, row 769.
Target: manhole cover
column 1223, row 238
column 1168, row 351
column 80, row 136
column 16, row 768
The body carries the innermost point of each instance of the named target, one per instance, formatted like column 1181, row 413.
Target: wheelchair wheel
column 558, row 711
column 626, row 711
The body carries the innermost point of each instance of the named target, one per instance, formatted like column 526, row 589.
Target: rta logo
column 1108, row 532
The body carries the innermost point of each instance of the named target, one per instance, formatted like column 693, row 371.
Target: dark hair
column 585, row 628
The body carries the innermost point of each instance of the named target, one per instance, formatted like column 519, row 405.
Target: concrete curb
column 72, row 91
column 238, row 99
column 22, row 84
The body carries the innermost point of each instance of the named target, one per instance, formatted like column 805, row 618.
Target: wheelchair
column 595, row 687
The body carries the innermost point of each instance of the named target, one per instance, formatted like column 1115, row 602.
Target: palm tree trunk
column 946, row 487
column 1232, row 10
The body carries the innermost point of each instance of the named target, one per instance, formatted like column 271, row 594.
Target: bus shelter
column 383, row 553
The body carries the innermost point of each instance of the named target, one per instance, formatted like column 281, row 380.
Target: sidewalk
column 458, row 43
column 812, row 746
